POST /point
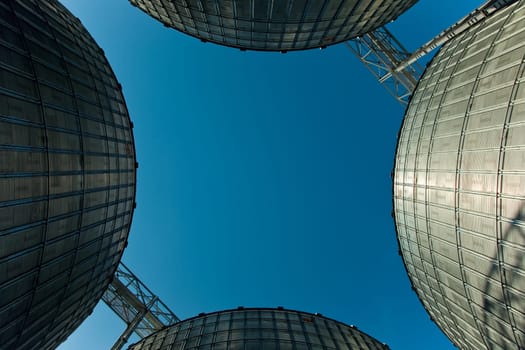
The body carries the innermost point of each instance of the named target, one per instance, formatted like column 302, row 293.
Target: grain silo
column 67, row 174
column 259, row 329
column 459, row 185
column 274, row 25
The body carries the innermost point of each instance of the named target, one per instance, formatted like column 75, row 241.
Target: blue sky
column 264, row 178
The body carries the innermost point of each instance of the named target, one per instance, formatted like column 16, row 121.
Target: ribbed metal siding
column 274, row 25
column 67, row 174
column 259, row 329
column 459, row 186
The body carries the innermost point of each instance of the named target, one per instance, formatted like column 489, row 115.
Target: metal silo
column 67, row 173
column 274, row 25
column 259, row 329
column 459, row 185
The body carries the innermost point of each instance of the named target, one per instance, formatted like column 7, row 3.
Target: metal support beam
column 485, row 10
column 135, row 304
column 394, row 66
column 381, row 52
column 123, row 339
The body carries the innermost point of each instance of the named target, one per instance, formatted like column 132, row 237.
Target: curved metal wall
column 259, row 329
column 67, row 174
column 274, row 25
column 459, row 185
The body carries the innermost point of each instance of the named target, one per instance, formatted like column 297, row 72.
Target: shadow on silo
column 503, row 335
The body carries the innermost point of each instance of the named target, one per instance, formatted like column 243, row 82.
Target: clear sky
column 264, row 178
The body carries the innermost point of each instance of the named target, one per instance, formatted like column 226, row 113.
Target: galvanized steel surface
column 259, row 329
column 67, row 174
column 275, row 25
column 459, row 185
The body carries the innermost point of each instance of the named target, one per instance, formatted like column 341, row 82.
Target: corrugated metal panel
column 274, row 25
column 461, row 155
column 67, row 173
column 257, row 328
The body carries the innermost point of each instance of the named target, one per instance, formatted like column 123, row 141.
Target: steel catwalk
column 259, row 329
column 132, row 301
column 67, row 174
column 459, row 185
column 274, row 25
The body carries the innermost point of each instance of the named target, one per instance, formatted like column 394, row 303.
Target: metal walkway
column 135, row 304
column 397, row 69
